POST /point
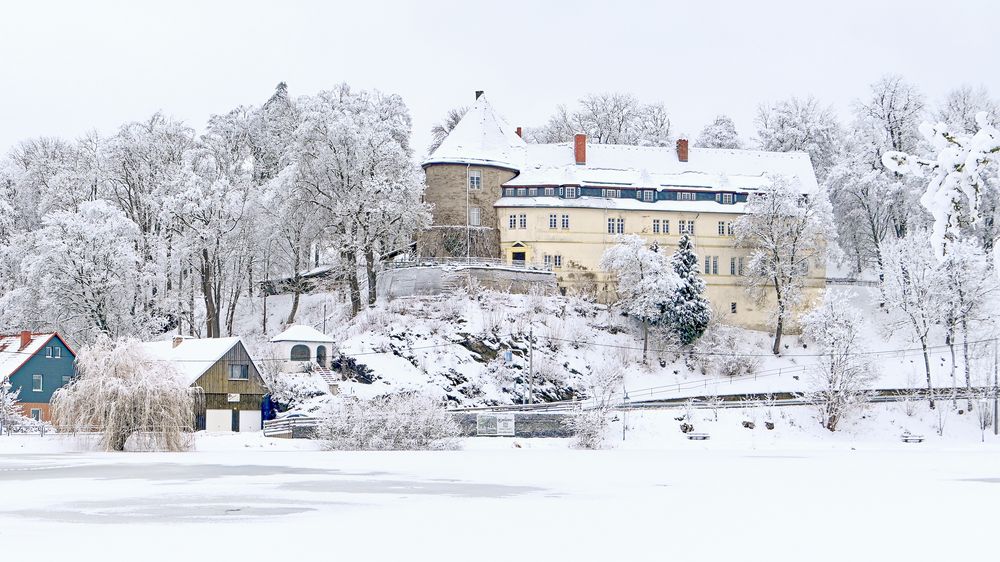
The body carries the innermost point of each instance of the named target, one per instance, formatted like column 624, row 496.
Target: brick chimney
column 580, row 149
column 518, row 131
column 178, row 340
column 25, row 339
column 478, row 93
column 682, row 150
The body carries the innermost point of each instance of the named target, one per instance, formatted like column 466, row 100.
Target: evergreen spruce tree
column 688, row 312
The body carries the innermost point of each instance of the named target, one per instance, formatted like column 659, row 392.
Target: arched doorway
column 321, row 355
column 300, row 352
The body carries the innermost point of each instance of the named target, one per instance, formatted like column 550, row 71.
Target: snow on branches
column 955, row 174
column 122, row 392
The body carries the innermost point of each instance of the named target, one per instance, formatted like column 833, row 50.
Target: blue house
column 37, row 364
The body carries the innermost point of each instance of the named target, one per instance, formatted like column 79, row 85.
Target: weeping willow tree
column 121, row 391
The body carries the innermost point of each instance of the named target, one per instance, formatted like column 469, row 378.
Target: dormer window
column 475, row 179
column 685, row 196
column 521, row 192
column 727, row 198
column 570, row 193
column 647, row 196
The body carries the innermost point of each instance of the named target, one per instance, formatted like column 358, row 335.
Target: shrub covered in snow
column 407, row 422
column 723, row 351
column 589, row 426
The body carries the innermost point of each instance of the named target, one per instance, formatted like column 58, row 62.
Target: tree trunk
column 295, row 305
column 370, row 271
column 645, row 340
column 208, row 294
column 778, row 330
column 353, row 288
column 927, row 369
column 965, row 361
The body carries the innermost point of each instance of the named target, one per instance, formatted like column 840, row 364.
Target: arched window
column 321, row 355
column 300, row 352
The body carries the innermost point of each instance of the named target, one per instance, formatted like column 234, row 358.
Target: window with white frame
column 550, row 192
column 727, row 198
column 532, row 192
column 729, row 229
column 522, row 221
column 565, row 222
column 512, row 222
column 647, row 195
column 685, row 196
column 732, row 266
column 722, row 228
column 685, row 227
column 36, row 414
column 666, row 227
column 656, row 226
column 690, row 227
column 557, row 261
column 612, row 193
column 48, row 352
column 553, row 221
column 715, row 265
column 475, row 179
column 239, row 372
column 36, row 383
column 616, row 226
column 508, row 192
column 57, row 352
column 474, row 216
column 547, row 260
column 708, row 265
column 570, row 193
column 521, row 191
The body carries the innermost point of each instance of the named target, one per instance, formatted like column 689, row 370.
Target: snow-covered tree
column 844, row 372
column 961, row 105
column 687, row 312
column 10, row 407
column 646, row 282
column 352, row 157
column 971, row 291
column 892, row 113
column 608, row 118
column 720, row 133
column 87, row 276
column 958, row 176
column 916, row 289
column 788, row 234
column 441, row 129
column 121, row 392
column 800, row 125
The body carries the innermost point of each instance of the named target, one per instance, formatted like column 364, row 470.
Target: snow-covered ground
column 445, row 345
column 502, row 499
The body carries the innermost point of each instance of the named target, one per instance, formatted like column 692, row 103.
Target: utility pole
column 531, row 365
column 996, row 392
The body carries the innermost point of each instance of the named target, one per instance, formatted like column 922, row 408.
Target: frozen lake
column 496, row 502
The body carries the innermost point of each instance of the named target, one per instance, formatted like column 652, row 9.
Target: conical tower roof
column 483, row 138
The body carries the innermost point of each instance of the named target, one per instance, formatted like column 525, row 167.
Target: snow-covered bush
column 589, row 427
column 392, row 422
column 122, row 392
column 293, row 389
column 11, row 416
column 722, row 351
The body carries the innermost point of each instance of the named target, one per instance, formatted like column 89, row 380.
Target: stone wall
column 526, row 424
column 441, row 279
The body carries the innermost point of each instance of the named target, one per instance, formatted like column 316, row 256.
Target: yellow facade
column 580, row 246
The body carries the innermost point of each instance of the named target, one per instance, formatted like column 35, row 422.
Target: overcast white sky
column 68, row 67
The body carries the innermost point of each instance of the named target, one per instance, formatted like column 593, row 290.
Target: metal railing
column 286, row 426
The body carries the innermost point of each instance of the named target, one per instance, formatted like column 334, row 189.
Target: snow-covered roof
column 11, row 354
column 303, row 333
column 625, row 204
column 624, row 166
column 193, row 356
column 481, row 137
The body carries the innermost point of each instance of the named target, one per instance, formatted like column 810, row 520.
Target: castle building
column 562, row 205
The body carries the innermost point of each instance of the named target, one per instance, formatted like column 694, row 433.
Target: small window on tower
column 732, row 308
column 473, row 216
column 475, row 179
